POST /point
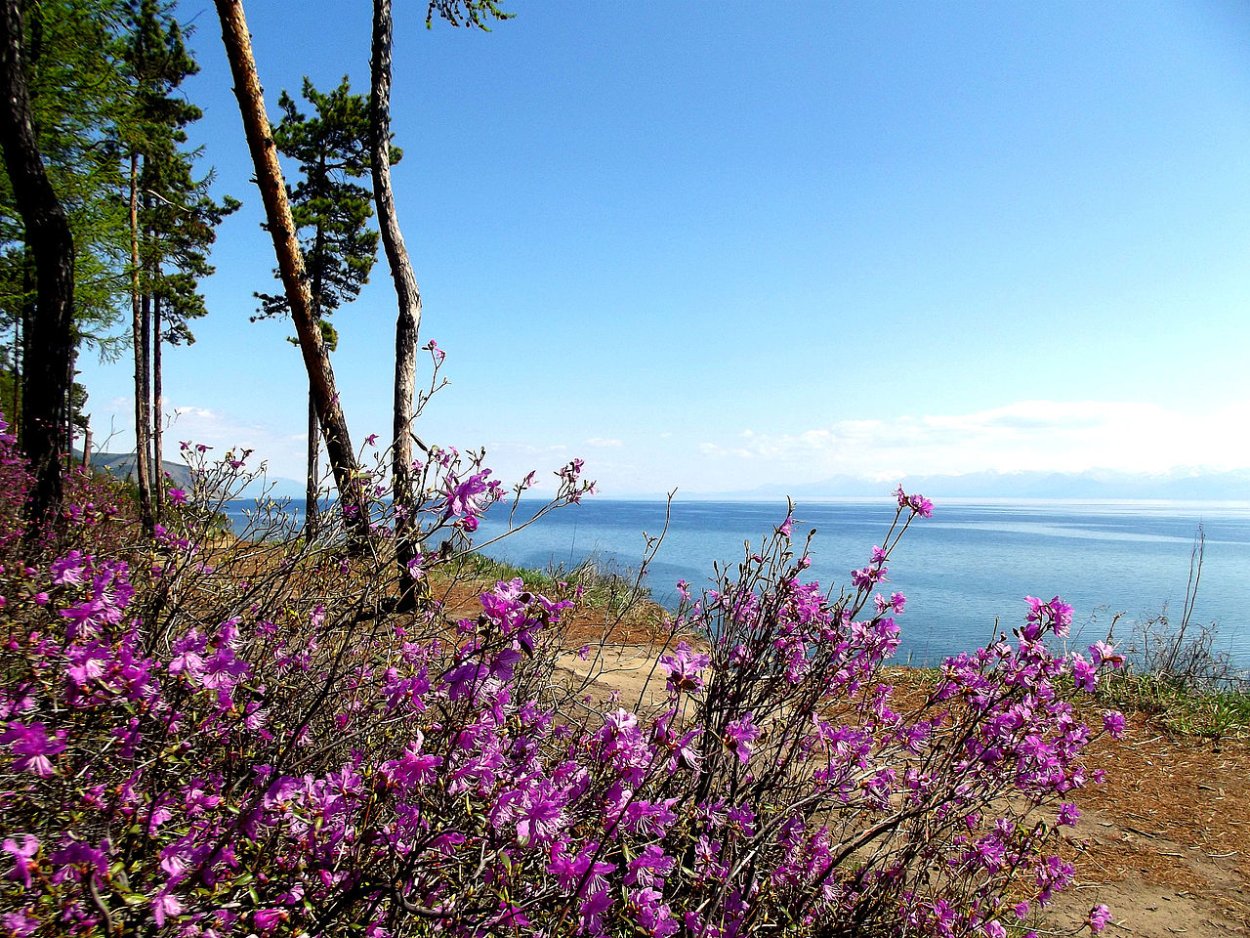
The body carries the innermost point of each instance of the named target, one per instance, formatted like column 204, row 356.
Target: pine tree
column 331, row 212
column 172, row 221
column 70, row 102
column 477, row 13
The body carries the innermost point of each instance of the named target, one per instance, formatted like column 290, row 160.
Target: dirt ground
column 1165, row 843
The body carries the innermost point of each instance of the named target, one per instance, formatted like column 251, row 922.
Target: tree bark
column 46, row 375
column 311, row 508
column 311, row 486
column 139, row 327
column 408, row 318
column 158, row 408
column 290, row 259
column 21, row 323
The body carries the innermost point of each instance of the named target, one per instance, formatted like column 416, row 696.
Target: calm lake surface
column 972, row 562
column 968, row 564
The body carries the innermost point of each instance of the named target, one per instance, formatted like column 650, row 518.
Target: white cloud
column 284, row 452
column 604, row 442
column 1026, row 435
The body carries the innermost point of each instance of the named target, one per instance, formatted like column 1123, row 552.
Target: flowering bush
column 205, row 739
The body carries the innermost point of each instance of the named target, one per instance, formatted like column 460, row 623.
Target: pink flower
column 1084, row 673
column 1099, row 917
column 684, row 669
column 415, row 568
column 1113, row 723
column 34, row 747
column 1102, row 653
column 20, row 924
column 918, row 504
column 741, row 734
column 23, row 857
column 469, row 498
column 165, row 906
column 266, row 920
column 178, row 496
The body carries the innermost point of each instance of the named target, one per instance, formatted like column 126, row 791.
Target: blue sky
column 717, row 246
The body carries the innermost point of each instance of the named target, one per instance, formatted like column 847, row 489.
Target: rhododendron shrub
column 196, row 739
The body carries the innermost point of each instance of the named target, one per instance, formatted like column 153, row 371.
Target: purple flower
column 540, row 817
column 1099, row 917
column 20, row 924
column 33, row 746
column 1068, row 815
column 165, row 906
column 1102, row 653
column 650, row 867
column 741, row 734
column 23, row 857
column 684, row 669
column 468, row 499
column 76, row 860
column 413, row 768
column 1055, row 613
column 68, row 570
column 178, row 496
column 917, row 504
column 1084, row 673
column 1113, row 723
column 266, row 920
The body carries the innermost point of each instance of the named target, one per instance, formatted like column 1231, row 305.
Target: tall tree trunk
column 139, row 326
column 158, row 410
column 311, row 508
column 21, row 324
column 67, row 431
column 312, row 483
column 272, row 187
column 408, row 319
column 46, row 375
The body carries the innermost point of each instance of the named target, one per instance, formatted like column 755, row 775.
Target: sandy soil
column 1165, row 843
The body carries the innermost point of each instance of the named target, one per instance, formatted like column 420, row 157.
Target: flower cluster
column 217, row 750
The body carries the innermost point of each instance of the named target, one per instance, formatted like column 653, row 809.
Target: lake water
column 972, row 562
column 969, row 563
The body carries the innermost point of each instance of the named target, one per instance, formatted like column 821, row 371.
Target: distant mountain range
column 1178, row 485
column 122, row 465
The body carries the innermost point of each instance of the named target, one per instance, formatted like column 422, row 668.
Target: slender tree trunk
column 408, row 319
column 311, row 508
column 67, row 439
column 312, row 484
column 46, row 375
column 139, row 326
column 269, row 180
column 86, row 447
column 158, row 409
column 20, row 322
